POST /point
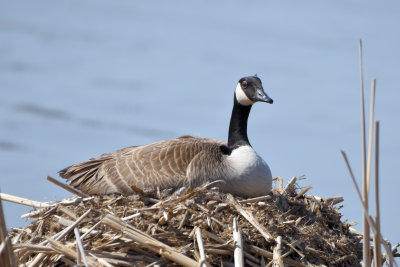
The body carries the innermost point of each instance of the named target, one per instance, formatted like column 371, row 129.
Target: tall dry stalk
column 371, row 133
column 377, row 241
column 369, row 222
column 366, row 246
column 7, row 258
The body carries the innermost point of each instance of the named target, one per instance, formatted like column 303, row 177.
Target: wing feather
column 164, row 164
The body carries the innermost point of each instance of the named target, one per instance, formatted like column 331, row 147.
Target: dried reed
column 369, row 223
column 131, row 230
column 6, row 250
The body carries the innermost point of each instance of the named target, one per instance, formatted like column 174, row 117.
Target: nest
column 285, row 227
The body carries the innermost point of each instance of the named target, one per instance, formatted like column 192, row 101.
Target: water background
column 80, row 78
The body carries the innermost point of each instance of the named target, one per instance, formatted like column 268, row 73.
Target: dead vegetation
column 285, row 227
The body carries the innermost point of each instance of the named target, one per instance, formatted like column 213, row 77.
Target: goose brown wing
column 163, row 164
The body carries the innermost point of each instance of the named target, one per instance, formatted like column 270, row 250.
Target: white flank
column 241, row 97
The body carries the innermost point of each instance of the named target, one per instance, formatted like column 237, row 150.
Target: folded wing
column 164, row 164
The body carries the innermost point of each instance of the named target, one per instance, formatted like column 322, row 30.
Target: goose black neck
column 238, row 125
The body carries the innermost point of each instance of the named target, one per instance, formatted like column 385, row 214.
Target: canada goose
column 184, row 161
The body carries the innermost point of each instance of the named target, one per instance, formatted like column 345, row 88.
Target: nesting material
column 283, row 228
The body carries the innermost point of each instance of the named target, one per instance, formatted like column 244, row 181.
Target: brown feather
column 165, row 164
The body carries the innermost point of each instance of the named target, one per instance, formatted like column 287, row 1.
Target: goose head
column 249, row 90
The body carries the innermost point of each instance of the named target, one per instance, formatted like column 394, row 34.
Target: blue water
column 80, row 78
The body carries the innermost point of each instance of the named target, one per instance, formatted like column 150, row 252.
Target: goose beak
column 262, row 96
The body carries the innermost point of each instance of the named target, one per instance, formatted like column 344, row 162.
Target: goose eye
column 244, row 84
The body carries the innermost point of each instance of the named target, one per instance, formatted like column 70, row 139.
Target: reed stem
column 366, row 246
column 371, row 133
column 377, row 241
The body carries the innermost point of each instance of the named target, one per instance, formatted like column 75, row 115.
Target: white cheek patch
column 241, row 97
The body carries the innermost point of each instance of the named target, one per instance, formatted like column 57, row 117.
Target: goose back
column 170, row 163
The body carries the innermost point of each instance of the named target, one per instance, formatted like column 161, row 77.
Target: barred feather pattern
column 173, row 163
